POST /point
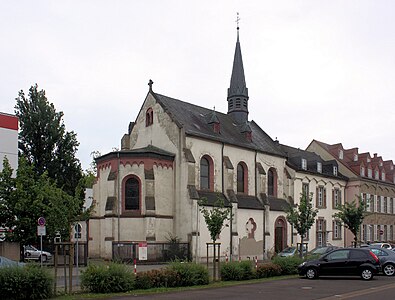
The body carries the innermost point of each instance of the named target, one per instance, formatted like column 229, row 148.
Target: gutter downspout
column 231, row 211
column 119, row 200
column 264, row 210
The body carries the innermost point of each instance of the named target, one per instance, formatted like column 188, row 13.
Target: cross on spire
column 150, row 83
column 237, row 21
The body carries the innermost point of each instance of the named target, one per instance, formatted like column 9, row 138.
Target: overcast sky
column 320, row 70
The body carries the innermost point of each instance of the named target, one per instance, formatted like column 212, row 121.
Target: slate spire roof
column 238, row 85
column 238, row 92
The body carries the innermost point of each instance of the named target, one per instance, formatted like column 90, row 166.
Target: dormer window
column 355, row 157
column 149, row 117
column 335, row 170
column 381, row 163
column 369, row 173
column 341, row 154
column 368, row 159
column 392, row 167
column 383, row 176
column 363, row 171
column 304, row 164
column 376, row 175
column 319, row 167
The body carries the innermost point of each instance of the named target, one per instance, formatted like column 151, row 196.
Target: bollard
column 226, row 259
column 256, row 262
column 239, row 258
column 135, row 267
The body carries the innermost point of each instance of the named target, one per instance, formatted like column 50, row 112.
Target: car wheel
column 366, row 274
column 389, row 269
column 44, row 258
column 311, row 273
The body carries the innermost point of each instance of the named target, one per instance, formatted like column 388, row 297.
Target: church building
column 176, row 153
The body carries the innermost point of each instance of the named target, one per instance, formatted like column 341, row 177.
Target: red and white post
column 135, row 267
column 256, row 262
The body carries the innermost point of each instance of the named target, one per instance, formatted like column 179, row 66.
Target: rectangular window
column 304, row 164
column 370, row 173
column 335, row 170
column 376, row 175
column 341, row 154
column 383, row 176
column 305, row 189
column 363, row 171
column 391, row 206
column 391, row 232
column 385, row 204
column 319, row 167
column 321, row 197
column 378, row 202
column 355, row 157
column 337, row 198
column 337, row 233
column 375, row 232
column 364, row 233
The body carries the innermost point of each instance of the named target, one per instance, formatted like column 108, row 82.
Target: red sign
column 41, row 221
column 381, row 232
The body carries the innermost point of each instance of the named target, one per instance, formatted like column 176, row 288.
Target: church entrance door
column 279, row 235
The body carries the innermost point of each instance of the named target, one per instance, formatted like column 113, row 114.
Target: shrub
column 29, row 282
column 189, row 274
column 268, row 270
column 237, row 271
column 156, row 279
column 289, row 265
column 112, row 278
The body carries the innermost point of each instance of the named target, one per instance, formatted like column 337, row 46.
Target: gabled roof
column 195, row 120
column 149, row 151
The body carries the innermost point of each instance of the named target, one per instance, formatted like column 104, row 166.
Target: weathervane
column 237, row 21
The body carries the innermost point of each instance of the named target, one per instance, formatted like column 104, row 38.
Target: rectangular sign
column 143, row 251
column 41, row 230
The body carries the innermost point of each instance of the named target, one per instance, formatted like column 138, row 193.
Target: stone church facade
column 176, row 153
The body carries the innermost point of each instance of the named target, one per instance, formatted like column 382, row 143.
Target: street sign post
column 41, row 231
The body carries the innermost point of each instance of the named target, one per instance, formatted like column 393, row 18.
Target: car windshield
column 30, row 247
column 319, row 250
column 288, row 250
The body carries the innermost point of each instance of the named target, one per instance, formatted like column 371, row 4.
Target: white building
column 176, row 153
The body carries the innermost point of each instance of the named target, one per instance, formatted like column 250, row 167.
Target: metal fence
column 156, row 252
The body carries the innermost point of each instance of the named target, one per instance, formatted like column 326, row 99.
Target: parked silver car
column 32, row 253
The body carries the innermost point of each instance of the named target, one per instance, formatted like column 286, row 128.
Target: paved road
column 296, row 289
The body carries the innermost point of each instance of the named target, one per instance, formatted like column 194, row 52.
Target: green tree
column 27, row 197
column 44, row 141
column 215, row 216
column 352, row 215
column 302, row 216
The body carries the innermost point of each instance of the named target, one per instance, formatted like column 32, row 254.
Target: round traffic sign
column 41, row 221
column 381, row 232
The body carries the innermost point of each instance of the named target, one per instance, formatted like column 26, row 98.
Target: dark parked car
column 387, row 260
column 342, row 262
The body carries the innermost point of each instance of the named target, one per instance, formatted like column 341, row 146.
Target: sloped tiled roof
column 195, row 121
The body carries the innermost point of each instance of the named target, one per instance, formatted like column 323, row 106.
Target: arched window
column 272, row 182
column 242, row 178
column 206, row 173
column 149, row 117
column 132, row 194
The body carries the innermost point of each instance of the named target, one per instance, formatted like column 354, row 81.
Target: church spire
column 238, row 91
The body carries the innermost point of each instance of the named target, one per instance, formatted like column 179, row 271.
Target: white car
column 382, row 245
column 32, row 253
